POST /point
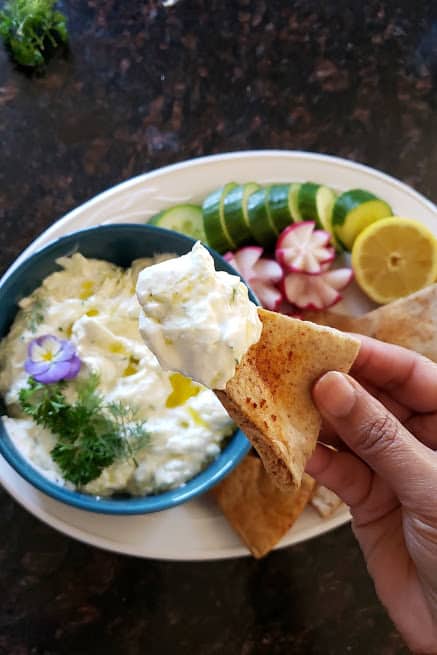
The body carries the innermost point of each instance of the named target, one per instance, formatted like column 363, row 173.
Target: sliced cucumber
column 326, row 198
column 236, row 214
column 353, row 211
column 260, row 221
column 278, row 200
column 316, row 202
column 187, row 219
column 216, row 232
column 294, row 206
column 306, row 202
column 154, row 220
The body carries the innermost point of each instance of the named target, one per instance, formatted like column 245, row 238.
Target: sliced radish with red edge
column 316, row 291
column 261, row 274
column 303, row 249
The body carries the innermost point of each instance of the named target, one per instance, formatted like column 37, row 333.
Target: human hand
column 385, row 469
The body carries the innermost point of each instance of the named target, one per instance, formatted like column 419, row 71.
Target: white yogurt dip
column 93, row 304
column 195, row 319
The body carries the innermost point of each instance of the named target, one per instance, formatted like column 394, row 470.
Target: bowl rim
column 232, row 453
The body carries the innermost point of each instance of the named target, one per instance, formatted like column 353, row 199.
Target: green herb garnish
column 91, row 434
column 34, row 315
column 31, row 29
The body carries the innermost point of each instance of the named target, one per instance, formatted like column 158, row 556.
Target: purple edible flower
column 50, row 359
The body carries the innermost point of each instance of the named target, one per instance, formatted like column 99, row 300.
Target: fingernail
column 334, row 394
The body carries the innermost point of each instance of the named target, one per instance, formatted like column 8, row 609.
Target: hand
column 385, row 469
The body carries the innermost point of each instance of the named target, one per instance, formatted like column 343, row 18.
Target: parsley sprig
column 91, row 434
column 31, row 29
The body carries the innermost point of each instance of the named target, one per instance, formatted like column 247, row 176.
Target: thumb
column 377, row 437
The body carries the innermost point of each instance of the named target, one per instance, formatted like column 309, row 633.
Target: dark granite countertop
column 145, row 85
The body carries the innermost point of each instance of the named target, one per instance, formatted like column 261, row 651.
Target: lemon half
column 394, row 257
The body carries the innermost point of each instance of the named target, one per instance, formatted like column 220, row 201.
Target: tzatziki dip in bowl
column 88, row 414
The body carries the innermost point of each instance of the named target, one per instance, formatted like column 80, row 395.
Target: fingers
column 423, row 426
column 377, row 437
column 410, row 378
column 330, row 437
column 399, row 410
column 352, row 480
column 342, row 472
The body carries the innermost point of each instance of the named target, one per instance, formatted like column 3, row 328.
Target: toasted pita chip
column 410, row 322
column 325, row 501
column 269, row 396
column 254, row 506
column 332, row 319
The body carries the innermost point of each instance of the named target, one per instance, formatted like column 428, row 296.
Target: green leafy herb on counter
column 31, row 29
column 91, row 434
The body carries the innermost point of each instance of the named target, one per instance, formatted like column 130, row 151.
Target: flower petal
column 75, row 365
column 36, row 352
column 56, row 372
column 66, row 351
column 40, row 346
column 50, row 343
column 35, row 368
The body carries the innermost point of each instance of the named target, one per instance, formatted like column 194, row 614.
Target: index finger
column 410, row 378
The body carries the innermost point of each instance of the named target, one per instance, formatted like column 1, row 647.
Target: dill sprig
column 91, row 434
column 31, row 29
column 35, row 314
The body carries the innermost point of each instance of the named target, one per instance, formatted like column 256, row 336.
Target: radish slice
column 260, row 274
column 339, row 278
column 269, row 296
column 244, row 260
column 316, row 291
column 303, row 249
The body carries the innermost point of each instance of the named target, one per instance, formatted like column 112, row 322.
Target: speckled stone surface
column 145, row 85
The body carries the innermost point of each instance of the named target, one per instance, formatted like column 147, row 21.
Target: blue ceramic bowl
column 120, row 244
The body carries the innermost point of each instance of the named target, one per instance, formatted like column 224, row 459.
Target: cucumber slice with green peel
column 353, row 211
column 187, row 219
column 260, row 221
column 154, row 220
column 294, row 206
column 236, row 214
column 217, row 235
column 326, row 198
column 316, row 203
column 278, row 201
column 306, row 202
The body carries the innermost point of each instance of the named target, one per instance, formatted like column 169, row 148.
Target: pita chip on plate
column 333, row 319
column 269, row 396
column 325, row 501
column 410, row 322
column 258, row 511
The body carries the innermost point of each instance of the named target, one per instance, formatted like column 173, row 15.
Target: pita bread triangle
column 254, row 506
column 269, row 396
column 333, row 319
column 410, row 322
column 325, row 501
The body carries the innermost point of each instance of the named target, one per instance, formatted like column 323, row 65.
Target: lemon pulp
column 393, row 258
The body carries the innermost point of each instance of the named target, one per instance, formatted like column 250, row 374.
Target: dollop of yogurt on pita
column 196, row 320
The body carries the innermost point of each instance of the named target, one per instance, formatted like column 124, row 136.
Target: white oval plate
column 197, row 530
